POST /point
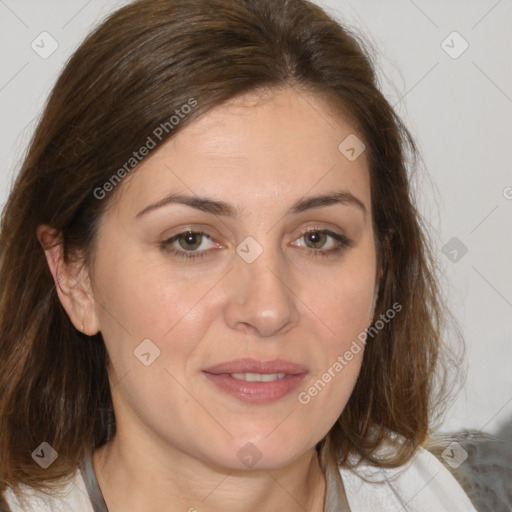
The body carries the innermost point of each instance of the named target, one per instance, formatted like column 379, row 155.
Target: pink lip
column 256, row 392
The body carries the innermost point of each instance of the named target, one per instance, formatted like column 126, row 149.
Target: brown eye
column 317, row 239
column 190, row 240
column 185, row 244
column 323, row 242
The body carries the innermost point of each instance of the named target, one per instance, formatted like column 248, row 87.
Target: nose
column 261, row 298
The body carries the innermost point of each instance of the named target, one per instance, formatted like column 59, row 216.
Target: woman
column 216, row 290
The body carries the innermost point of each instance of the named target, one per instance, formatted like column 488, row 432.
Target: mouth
column 254, row 381
column 258, row 377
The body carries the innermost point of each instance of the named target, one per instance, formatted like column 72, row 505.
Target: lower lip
column 256, row 392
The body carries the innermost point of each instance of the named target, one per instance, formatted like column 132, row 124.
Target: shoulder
column 71, row 497
column 421, row 485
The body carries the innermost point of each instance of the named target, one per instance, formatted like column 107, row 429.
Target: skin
column 177, row 434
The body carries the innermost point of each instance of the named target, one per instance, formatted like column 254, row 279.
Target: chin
column 249, row 453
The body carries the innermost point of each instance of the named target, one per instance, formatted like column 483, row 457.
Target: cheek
column 153, row 325
column 342, row 302
column 143, row 299
column 155, row 377
column 343, row 299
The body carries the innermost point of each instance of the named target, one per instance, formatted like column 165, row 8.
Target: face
column 214, row 266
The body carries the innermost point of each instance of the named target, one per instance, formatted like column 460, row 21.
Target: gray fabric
column 92, row 486
column 486, row 474
column 335, row 497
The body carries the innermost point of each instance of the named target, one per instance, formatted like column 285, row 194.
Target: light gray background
column 459, row 110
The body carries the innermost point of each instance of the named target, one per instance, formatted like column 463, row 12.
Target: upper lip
column 250, row 365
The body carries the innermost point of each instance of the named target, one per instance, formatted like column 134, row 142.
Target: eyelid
column 199, row 232
column 322, row 229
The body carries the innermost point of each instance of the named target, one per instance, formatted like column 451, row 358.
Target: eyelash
column 343, row 243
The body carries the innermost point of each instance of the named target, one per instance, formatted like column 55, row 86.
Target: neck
column 136, row 477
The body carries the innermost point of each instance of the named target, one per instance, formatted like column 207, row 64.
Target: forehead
column 256, row 150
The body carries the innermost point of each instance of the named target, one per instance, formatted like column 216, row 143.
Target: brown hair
column 128, row 77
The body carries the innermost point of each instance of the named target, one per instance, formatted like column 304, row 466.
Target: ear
column 72, row 282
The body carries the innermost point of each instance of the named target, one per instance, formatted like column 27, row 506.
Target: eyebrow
column 208, row 205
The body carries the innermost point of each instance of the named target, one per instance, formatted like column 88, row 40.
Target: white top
column 421, row 485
